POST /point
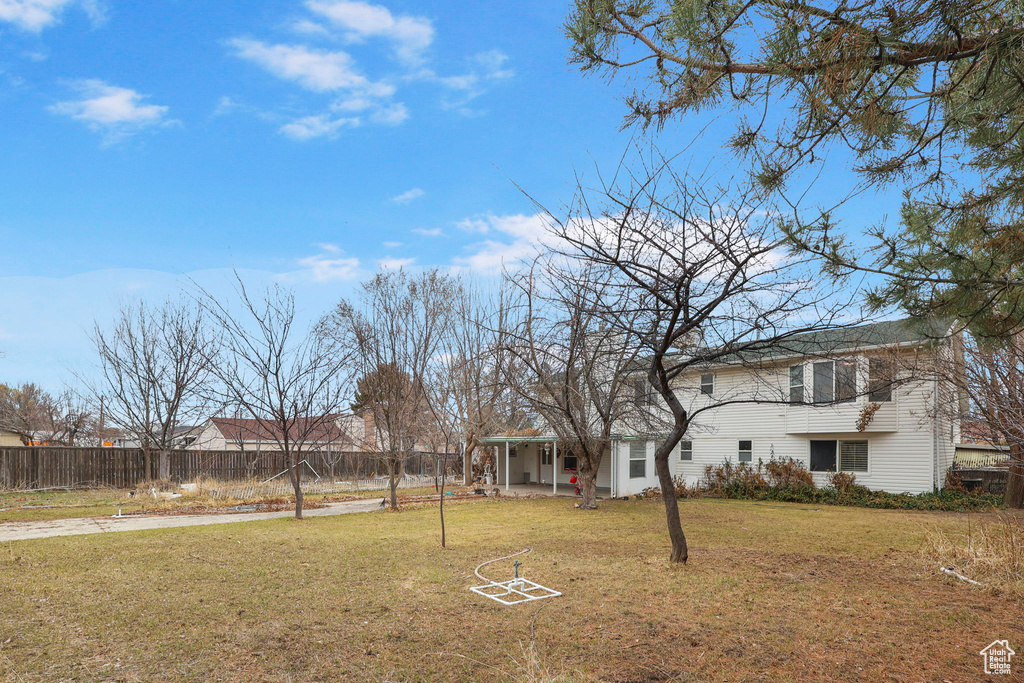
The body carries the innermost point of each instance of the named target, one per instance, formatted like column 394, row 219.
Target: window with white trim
column 796, row 384
column 853, row 456
column 707, row 383
column 686, row 449
column 834, row 381
column 746, row 451
column 637, row 459
column 880, row 377
column 846, row 380
column 545, row 455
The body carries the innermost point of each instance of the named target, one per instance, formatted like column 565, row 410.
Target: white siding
column 902, row 439
column 630, row 486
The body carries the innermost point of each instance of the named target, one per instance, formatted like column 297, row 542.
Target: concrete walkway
column 21, row 531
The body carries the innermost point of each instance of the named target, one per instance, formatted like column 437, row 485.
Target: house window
column 513, row 452
column 641, row 392
column 880, row 376
column 707, row 383
column 846, row 380
column 569, row 462
column 686, row 450
column 796, row 384
column 824, row 381
column 834, row 381
column 746, row 451
column 833, row 456
column 637, row 459
column 823, row 456
column 853, row 456
column 545, row 455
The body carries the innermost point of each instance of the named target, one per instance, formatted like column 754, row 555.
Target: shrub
column 733, row 481
column 954, row 482
column 842, row 482
column 683, row 490
column 788, row 474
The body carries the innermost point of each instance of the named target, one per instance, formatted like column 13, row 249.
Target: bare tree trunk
column 1014, row 496
column 668, row 494
column 587, row 477
column 165, row 464
column 443, row 463
column 147, row 464
column 293, row 462
column 393, row 484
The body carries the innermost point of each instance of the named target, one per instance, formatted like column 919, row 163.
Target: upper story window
column 641, row 392
column 686, row 449
column 834, row 381
column 880, row 379
column 707, row 383
column 796, row 384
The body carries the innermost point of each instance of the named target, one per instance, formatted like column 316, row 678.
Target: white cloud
column 307, row 27
column 527, row 234
column 493, row 64
column 319, row 126
column 485, row 67
column 326, row 269
column 32, row 15
column 390, row 116
column 395, row 263
column 431, row 232
column 116, row 111
column 391, row 245
column 361, row 20
column 408, row 196
column 316, row 70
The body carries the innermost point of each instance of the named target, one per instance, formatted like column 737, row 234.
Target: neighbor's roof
column 247, row 429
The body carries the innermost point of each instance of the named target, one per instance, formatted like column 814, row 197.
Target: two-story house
column 858, row 400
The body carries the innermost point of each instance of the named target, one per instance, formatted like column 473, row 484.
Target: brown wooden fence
column 35, row 467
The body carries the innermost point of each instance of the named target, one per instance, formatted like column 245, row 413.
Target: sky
column 148, row 145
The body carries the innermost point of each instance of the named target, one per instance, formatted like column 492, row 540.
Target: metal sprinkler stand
column 515, row 591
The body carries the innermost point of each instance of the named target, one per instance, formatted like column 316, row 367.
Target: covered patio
column 536, row 464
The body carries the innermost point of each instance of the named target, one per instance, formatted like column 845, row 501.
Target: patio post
column 507, row 470
column 465, row 465
column 554, row 468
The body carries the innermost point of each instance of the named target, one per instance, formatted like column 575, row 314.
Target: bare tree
column 24, row 411
column 465, row 394
column 69, row 419
column 154, row 373
column 482, row 398
column 569, row 366
column 291, row 382
column 395, row 329
column 694, row 277
column 989, row 376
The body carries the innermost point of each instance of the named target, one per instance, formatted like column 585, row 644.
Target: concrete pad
column 21, row 531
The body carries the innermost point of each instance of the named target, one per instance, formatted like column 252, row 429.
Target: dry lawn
column 773, row 592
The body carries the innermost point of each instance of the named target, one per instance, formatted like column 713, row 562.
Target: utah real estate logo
column 997, row 657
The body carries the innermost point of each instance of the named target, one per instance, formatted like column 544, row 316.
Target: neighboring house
column 8, row 438
column 816, row 400
column 237, row 434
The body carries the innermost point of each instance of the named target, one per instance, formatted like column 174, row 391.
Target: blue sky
column 302, row 142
